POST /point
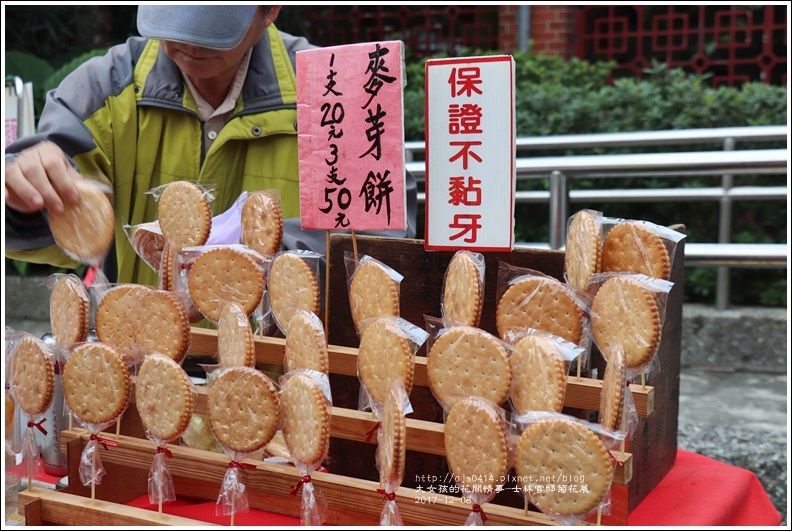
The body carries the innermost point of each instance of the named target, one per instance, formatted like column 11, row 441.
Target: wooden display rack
column 350, row 486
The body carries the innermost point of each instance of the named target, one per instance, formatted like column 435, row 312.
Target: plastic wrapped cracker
column 184, row 212
column 32, row 385
column 164, row 400
column 235, row 344
column 85, row 231
column 218, row 274
column 467, row 360
column 69, row 308
column 477, row 449
column 563, row 466
column 373, row 289
column 262, row 222
column 530, row 299
column 292, row 284
column 627, row 314
column 636, row 246
column 392, row 450
column 306, row 405
column 463, row 289
column 244, row 413
column 96, row 386
column 306, row 344
column 583, row 250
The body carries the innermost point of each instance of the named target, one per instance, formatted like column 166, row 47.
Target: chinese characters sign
column 351, row 137
column 470, row 139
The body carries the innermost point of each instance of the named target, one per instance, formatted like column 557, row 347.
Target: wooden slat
column 582, row 393
column 354, row 425
column 61, row 508
column 349, row 495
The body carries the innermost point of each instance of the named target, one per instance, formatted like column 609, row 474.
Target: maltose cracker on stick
column 86, row 230
column 476, row 445
column 306, row 344
column 392, row 444
column 291, row 286
column 462, row 290
column 262, row 223
column 538, row 375
column 583, row 250
column 384, row 355
column 243, row 407
column 115, row 323
column 235, row 346
column 69, row 310
column 225, row 274
column 306, row 418
column 613, row 389
column 471, row 361
column 184, row 214
column 32, row 376
column 624, row 316
column 542, row 303
column 161, row 324
column 164, row 398
column 633, row 247
column 96, row 383
column 149, row 243
column 372, row 293
column 558, row 447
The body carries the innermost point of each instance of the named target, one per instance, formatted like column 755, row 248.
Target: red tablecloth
column 697, row 491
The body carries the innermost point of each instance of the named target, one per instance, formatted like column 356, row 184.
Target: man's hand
column 41, row 177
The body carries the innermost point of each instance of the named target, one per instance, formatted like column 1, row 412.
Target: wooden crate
column 351, row 483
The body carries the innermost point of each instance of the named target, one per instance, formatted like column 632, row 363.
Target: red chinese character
column 467, row 223
column 464, row 80
column 464, row 119
column 461, row 194
column 465, row 152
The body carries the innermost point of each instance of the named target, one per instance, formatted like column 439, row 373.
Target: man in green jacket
column 207, row 95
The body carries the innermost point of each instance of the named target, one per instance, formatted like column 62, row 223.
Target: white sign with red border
column 470, row 153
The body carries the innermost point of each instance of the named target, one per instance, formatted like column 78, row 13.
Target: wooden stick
column 93, row 473
column 599, row 515
column 354, row 247
column 118, row 427
column 30, row 471
column 643, row 379
column 233, row 503
column 327, row 285
column 578, row 367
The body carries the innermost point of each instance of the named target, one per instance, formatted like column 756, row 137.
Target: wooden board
column 654, row 443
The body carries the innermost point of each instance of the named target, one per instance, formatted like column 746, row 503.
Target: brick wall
column 553, row 30
column 508, row 28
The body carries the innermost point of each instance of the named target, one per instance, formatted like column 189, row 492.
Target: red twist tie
column 613, row 458
column 372, row 431
column 298, row 486
column 104, row 442
column 164, row 450
column 390, row 496
column 477, row 509
column 237, row 464
column 38, row 425
column 628, row 383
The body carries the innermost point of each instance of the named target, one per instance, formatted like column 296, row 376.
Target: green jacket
column 128, row 116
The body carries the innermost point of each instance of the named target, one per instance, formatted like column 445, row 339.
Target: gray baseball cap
column 211, row 26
